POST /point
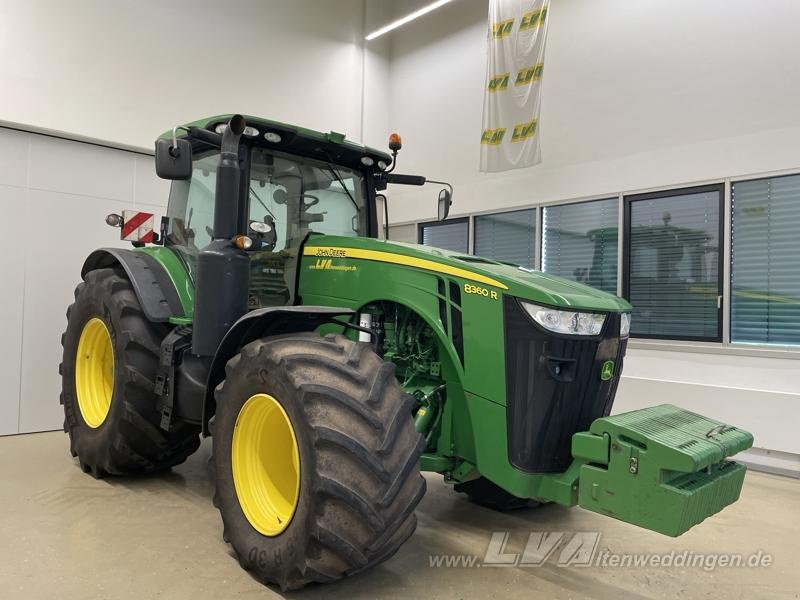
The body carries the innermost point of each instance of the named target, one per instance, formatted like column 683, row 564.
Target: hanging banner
column 516, row 40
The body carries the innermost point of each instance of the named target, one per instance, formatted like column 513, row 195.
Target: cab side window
column 337, row 205
column 191, row 205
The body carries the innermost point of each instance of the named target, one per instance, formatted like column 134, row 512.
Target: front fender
column 257, row 324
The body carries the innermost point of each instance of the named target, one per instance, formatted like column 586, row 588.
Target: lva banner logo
column 582, row 549
column 515, row 64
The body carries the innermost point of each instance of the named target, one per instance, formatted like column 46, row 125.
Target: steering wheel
column 280, row 196
column 314, row 200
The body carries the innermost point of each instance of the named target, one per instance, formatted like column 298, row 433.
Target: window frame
column 724, row 253
column 423, row 224
column 540, row 229
column 766, row 346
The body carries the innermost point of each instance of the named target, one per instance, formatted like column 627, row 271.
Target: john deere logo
column 528, row 75
column 493, row 137
column 498, row 83
column 607, row 372
column 533, row 19
column 502, row 28
column 523, row 131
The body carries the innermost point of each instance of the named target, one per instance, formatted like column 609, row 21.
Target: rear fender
column 151, row 281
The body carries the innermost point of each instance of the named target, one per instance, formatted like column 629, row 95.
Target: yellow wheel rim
column 94, row 372
column 266, row 464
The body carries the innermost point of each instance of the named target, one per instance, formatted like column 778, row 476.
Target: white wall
column 126, row 71
column 376, row 75
column 636, row 95
column 54, row 195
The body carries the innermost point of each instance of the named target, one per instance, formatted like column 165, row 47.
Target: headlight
column 625, row 325
column 566, row 321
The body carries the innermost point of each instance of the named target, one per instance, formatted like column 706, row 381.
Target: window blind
column 674, row 278
column 579, row 241
column 453, row 235
column 765, row 261
column 507, row 237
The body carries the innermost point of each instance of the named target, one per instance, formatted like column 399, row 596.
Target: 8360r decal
column 481, row 291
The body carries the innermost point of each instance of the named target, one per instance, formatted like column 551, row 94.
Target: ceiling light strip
column 400, row 22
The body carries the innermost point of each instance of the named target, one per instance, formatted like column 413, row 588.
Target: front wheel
column 316, row 459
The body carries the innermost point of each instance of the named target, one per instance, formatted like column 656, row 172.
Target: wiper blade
column 338, row 177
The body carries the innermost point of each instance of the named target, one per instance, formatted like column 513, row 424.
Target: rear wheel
column 108, row 376
column 484, row 492
column 316, row 459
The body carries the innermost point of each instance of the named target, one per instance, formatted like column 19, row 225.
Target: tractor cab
column 292, row 186
column 294, row 183
column 285, row 199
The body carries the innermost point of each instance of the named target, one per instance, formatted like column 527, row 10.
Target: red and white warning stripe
column 137, row 226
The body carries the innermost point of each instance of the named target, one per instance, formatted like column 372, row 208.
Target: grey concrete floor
column 66, row 535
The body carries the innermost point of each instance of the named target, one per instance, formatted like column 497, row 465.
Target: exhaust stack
column 223, row 270
column 226, row 209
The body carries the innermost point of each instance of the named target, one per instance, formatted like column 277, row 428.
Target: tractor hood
column 517, row 281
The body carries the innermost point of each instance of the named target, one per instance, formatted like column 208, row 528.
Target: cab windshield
column 290, row 195
column 300, row 195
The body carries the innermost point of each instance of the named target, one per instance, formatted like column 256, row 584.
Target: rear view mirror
column 445, row 200
column 174, row 159
column 382, row 205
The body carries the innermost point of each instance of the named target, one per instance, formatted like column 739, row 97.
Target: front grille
column 554, row 387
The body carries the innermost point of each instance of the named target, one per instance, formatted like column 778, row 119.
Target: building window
column 579, row 241
column 507, row 237
column 450, row 235
column 765, row 261
column 672, row 273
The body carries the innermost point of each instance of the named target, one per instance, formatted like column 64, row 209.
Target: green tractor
column 332, row 367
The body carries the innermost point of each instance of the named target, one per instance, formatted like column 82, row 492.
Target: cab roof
column 294, row 138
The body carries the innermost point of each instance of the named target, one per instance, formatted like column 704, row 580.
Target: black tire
column 129, row 441
column 484, row 492
column 358, row 449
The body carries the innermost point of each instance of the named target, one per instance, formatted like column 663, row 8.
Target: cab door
column 275, row 253
column 291, row 198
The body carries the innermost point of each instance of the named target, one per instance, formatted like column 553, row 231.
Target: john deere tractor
column 331, row 367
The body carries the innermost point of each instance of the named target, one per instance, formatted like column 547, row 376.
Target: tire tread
column 357, row 411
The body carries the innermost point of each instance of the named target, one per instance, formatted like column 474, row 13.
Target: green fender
column 159, row 279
